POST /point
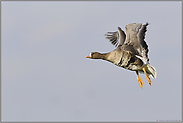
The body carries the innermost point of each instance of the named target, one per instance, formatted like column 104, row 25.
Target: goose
column 131, row 51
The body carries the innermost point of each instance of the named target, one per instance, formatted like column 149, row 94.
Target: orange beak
column 88, row 56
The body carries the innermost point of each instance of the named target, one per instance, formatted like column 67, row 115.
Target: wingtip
column 147, row 23
column 119, row 28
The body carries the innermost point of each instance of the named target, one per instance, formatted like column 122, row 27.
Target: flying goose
column 131, row 52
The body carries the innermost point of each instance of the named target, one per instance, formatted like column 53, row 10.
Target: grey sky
column 46, row 77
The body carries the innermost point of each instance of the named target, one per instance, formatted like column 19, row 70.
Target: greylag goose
column 131, row 52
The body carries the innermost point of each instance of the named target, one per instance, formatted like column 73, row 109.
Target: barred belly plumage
column 129, row 61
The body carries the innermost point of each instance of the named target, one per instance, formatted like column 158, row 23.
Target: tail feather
column 151, row 71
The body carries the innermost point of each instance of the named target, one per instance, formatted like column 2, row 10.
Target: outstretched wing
column 116, row 38
column 135, row 35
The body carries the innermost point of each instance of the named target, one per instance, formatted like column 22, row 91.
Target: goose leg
column 139, row 80
column 148, row 79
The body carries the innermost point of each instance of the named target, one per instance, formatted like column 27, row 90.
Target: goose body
column 131, row 51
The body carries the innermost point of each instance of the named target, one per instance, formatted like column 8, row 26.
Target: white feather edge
column 144, row 60
column 148, row 66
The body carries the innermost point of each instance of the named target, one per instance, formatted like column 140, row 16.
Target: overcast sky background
column 46, row 77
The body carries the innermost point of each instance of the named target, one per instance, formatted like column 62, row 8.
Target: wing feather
column 116, row 38
column 113, row 37
column 132, row 41
column 135, row 40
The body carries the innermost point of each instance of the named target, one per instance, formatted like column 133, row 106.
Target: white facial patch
column 90, row 55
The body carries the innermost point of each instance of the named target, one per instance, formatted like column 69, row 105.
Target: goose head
column 94, row 55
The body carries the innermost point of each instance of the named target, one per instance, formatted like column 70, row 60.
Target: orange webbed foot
column 148, row 79
column 139, row 80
